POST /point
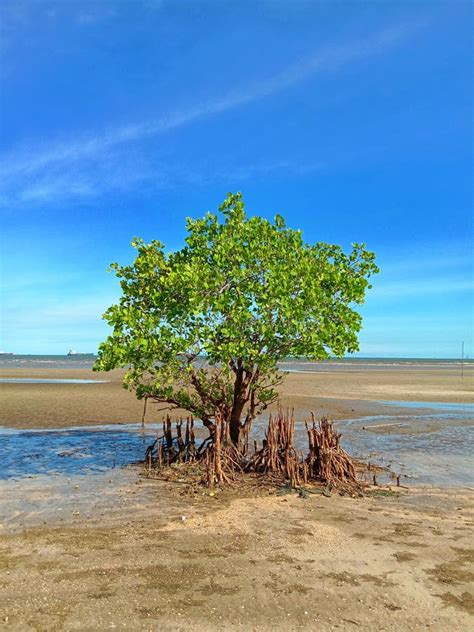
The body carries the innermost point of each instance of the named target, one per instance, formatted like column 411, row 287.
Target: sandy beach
column 137, row 554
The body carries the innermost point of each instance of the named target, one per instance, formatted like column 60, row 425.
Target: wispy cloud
column 232, row 174
column 67, row 167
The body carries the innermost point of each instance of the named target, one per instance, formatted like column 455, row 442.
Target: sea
column 86, row 361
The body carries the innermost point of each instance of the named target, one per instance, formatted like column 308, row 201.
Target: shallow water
column 462, row 407
column 71, row 451
column 437, row 456
column 68, row 474
column 429, row 445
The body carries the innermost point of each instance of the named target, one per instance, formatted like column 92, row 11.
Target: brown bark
column 234, row 424
column 239, row 401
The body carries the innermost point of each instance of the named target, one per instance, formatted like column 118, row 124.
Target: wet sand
column 339, row 395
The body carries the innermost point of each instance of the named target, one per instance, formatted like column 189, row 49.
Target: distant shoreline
column 21, row 359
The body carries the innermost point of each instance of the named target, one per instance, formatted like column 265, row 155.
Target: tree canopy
column 203, row 328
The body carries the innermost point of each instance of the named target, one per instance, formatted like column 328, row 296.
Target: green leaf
column 243, row 293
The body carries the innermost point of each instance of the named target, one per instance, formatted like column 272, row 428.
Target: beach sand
column 172, row 562
column 150, row 556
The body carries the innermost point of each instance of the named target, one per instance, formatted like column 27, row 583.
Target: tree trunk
column 234, row 424
column 238, row 404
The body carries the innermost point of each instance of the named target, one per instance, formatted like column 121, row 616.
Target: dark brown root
column 277, row 455
column 277, row 459
column 166, row 449
column 327, row 461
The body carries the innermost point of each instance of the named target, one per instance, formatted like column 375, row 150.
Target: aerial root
column 325, row 462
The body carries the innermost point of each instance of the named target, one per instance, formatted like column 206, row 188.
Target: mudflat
column 333, row 393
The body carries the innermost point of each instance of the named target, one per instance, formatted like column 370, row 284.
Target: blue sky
column 351, row 119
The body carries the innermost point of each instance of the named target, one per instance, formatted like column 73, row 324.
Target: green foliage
column 243, row 293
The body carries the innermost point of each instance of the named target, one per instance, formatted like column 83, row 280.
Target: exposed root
column 327, row 461
column 277, row 455
column 276, row 460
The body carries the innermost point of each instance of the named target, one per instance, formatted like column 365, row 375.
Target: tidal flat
column 87, row 542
